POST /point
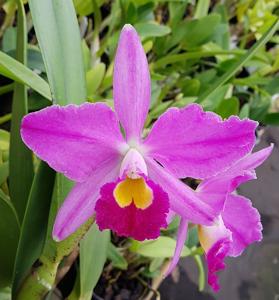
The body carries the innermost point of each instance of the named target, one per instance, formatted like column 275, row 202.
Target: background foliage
column 221, row 54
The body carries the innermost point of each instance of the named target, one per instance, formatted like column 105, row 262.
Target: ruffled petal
column 243, row 220
column 192, row 143
column 181, row 238
column 80, row 203
column 216, row 241
column 131, row 221
column 74, row 140
column 183, row 200
column 131, row 83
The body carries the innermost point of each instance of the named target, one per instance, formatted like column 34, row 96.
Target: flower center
column 133, row 190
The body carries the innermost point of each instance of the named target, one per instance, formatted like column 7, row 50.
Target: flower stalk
column 42, row 278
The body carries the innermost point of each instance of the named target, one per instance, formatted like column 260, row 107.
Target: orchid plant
column 130, row 180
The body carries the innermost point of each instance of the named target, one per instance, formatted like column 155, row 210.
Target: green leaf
column 272, row 119
column 146, row 30
column 228, row 107
column 155, row 264
column 21, row 165
column 198, row 32
column 5, row 294
column 4, row 140
column 14, row 70
column 244, row 112
column 86, row 7
column 117, row 259
column 94, row 78
column 201, row 9
column 4, row 172
column 240, row 62
column 34, row 225
column 162, row 247
column 91, row 266
column 58, row 34
column 9, row 233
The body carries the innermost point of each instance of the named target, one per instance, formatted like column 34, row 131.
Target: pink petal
column 216, row 241
column 80, row 203
column 130, row 221
column 131, row 83
column 181, row 238
column 243, row 220
column 192, row 143
column 73, row 140
column 228, row 180
column 183, row 200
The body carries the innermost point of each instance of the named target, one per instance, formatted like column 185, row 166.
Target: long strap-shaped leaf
column 34, row 225
column 242, row 60
column 58, row 34
column 21, row 166
column 18, row 72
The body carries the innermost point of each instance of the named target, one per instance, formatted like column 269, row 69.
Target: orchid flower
column 238, row 224
column 130, row 182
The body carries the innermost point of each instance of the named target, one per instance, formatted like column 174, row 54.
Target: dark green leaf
column 34, row 225
column 21, row 165
column 9, row 233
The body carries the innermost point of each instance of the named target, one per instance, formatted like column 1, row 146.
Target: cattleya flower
column 132, row 183
column 238, row 224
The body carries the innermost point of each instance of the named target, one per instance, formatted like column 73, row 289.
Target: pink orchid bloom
column 238, row 224
column 127, row 181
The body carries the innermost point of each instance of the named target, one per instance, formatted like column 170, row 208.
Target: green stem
column 42, row 278
column 40, row 281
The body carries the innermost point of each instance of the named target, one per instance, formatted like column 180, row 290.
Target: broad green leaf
column 198, row 32
column 9, row 234
column 117, row 259
column 228, row 107
column 34, row 225
column 240, row 62
column 86, row 7
column 162, row 247
column 91, row 266
column 21, row 165
column 152, row 30
column 57, row 31
column 94, row 78
column 14, row 70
